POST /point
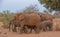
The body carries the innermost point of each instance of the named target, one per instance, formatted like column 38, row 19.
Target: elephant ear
column 42, row 17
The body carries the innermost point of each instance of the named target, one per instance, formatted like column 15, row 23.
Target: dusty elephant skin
column 31, row 21
column 27, row 19
column 46, row 17
column 14, row 23
column 46, row 24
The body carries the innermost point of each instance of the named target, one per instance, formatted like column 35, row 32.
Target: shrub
column 5, row 18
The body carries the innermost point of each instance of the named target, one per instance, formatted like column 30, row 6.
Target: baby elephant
column 46, row 24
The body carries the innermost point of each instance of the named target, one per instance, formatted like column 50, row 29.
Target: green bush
column 5, row 17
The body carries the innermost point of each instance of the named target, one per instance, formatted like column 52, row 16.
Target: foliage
column 52, row 4
column 5, row 17
column 31, row 8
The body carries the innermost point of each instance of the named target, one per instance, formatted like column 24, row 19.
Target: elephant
column 13, row 23
column 32, row 21
column 46, row 24
column 46, row 17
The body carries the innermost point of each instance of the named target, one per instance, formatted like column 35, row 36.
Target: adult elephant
column 32, row 21
column 47, row 19
column 14, row 23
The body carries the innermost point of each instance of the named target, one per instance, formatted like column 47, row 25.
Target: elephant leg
column 37, row 30
column 21, row 29
column 14, row 29
column 25, row 29
column 50, row 28
column 9, row 27
column 44, row 29
column 30, row 30
column 18, row 29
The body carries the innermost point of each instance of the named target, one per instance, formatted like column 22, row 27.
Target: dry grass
column 56, row 24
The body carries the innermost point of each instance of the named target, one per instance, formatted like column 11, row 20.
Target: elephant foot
column 37, row 31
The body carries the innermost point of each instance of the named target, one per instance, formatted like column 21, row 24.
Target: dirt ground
column 6, row 33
